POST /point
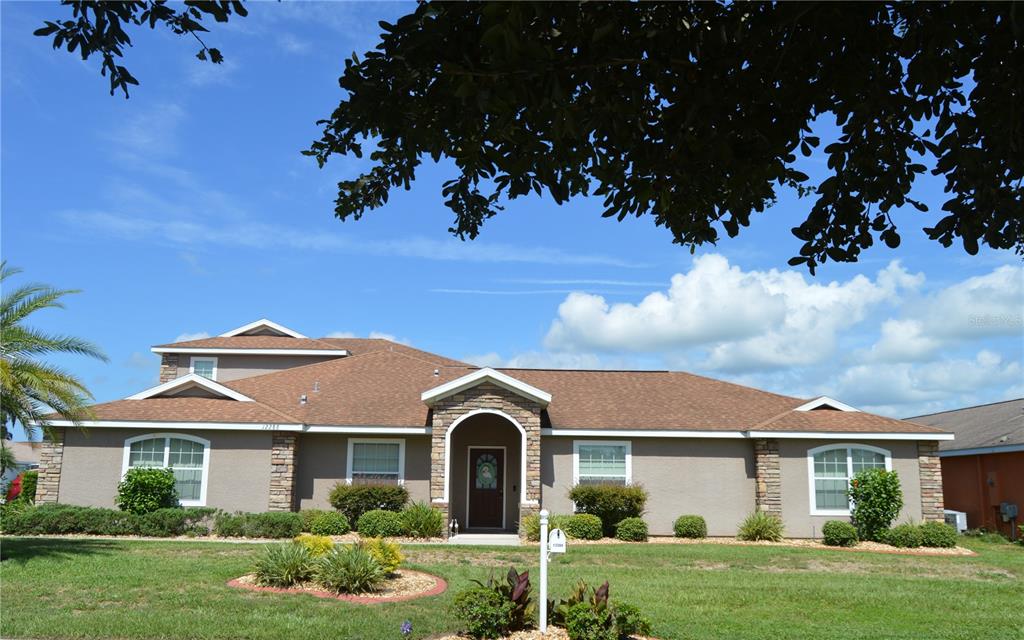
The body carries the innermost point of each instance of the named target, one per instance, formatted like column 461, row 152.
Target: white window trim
column 401, row 455
column 192, row 365
column 815, row 511
column 201, row 502
column 504, row 480
column 621, row 443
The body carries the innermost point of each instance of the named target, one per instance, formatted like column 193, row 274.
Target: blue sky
column 188, row 210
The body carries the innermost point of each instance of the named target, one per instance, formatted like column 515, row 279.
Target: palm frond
column 23, row 341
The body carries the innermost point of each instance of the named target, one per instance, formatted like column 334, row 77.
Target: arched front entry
column 485, row 471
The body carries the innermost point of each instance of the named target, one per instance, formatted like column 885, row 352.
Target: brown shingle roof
column 252, row 342
column 191, row 409
column 841, row 422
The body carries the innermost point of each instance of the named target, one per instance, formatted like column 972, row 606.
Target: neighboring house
column 26, row 455
column 262, row 418
column 984, row 466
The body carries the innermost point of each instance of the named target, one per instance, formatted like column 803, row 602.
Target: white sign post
column 553, row 543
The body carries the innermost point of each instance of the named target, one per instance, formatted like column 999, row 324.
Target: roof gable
column 503, row 380
column 262, row 327
column 825, row 402
column 190, row 381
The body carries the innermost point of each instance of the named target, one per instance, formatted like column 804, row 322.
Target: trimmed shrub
column 690, row 527
column 630, row 622
column 143, row 490
column 906, row 536
column 483, row 612
column 58, row 519
column 839, row 533
column 330, row 523
column 631, row 530
column 380, row 524
column 761, row 526
column 420, row 520
column 283, row 565
column 877, row 500
column 585, row 621
column 356, row 499
column 349, row 569
column 309, row 515
column 581, row 526
column 271, row 524
column 938, row 534
column 316, row 545
column 175, row 522
column 387, row 554
column 610, row 502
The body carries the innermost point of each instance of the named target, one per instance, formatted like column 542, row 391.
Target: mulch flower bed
column 405, row 585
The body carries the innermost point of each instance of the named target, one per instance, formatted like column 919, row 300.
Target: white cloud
column 199, row 335
column 746, row 320
column 201, row 73
column 149, row 131
column 291, row 44
column 981, row 306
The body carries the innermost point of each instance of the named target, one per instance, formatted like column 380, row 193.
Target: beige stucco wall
column 239, row 476
column 322, row 461
column 710, row 477
column 233, row 367
column 491, row 431
column 796, row 490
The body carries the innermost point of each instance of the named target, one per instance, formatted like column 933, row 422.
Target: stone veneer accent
column 486, row 396
column 168, row 367
column 51, row 457
column 930, row 470
column 283, row 460
column 768, row 491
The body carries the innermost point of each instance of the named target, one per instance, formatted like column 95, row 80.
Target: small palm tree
column 32, row 388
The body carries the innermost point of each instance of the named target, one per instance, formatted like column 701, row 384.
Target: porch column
column 51, row 458
column 930, row 470
column 284, row 448
column 768, row 492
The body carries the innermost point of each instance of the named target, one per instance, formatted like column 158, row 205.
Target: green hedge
column 839, row 533
column 147, row 489
column 612, row 503
column 356, row 499
column 690, row 527
column 938, row 534
column 380, row 524
column 271, row 524
column 631, row 530
column 59, row 519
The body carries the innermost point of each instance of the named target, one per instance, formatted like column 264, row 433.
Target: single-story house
column 984, row 467
column 263, row 418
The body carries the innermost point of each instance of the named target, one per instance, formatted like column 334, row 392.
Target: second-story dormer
column 259, row 347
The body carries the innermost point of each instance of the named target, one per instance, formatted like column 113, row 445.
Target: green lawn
column 98, row 588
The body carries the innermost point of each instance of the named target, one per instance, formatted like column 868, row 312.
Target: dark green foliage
column 690, row 527
column 483, row 612
column 659, row 109
column 761, row 526
column 581, row 526
column 283, row 565
column 631, row 530
column 380, row 524
column 630, row 621
column 330, row 523
column 356, row 499
column 877, row 500
column 610, row 502
column 529, row 527
column 146, row 489
column 904, row 536
column 514, row 589
column 420, row 520
column 272, row 524
column 59, row 519
column 29, row 479
column 584, row 622
column 103, row 32
column 839, row 533
column 349, row 569
column 938, row 534
column 309, row 515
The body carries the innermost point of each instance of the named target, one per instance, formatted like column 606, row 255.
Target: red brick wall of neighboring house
column 978, row 484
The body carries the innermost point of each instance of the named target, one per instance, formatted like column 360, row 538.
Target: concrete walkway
column 491, row 539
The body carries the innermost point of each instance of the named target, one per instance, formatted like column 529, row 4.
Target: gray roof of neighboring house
column 25, row 452
column 998, row 424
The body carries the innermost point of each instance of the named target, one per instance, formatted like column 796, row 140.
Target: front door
column 486, row 488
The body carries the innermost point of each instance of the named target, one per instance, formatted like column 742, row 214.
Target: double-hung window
column 602, row 462
column 186, row 456
column 831, row 468
column 376, row 461
column 206, row 367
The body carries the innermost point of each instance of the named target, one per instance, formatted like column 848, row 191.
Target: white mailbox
column 556, row 541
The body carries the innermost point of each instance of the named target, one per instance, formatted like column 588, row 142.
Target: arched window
column 187, row 456
column 830, row 469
